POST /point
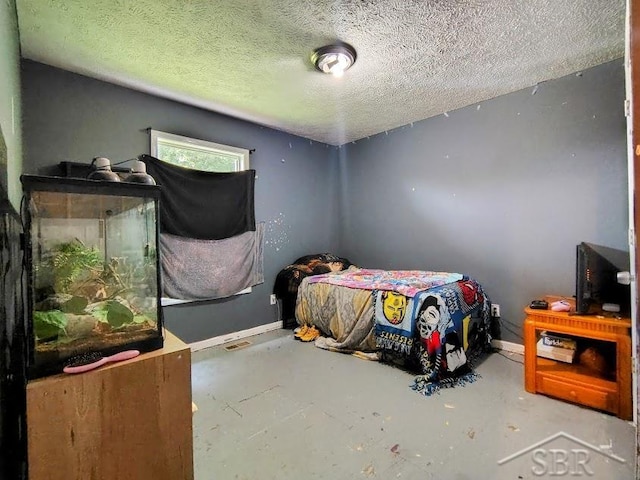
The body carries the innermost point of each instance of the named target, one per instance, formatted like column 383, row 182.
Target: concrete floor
column 282, row 409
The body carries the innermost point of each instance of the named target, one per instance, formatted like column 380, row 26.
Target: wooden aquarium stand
column 129, row 420
column 576, row 382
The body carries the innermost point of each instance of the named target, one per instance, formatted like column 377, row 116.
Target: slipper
column 311, row 334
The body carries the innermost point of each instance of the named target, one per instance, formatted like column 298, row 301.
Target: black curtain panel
column 203, row 205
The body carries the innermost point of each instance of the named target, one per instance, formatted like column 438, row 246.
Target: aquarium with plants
column 92, row 259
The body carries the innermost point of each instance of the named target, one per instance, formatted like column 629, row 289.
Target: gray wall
column 10, row 104
column 502, row 191
column 69, row 117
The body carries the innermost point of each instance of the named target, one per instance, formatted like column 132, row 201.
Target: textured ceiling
column 250, row 58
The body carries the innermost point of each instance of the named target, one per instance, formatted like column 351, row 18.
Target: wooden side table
column 129, row 420
column 575, row 382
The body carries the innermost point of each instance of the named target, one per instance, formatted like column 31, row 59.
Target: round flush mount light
column 334, row 59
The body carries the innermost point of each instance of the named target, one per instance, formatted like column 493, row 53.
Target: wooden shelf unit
column 128, row 420
column 574, row 382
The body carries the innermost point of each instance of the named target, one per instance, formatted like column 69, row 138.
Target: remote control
column 539, row 305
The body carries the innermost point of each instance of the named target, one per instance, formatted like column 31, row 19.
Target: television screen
column 596, row 278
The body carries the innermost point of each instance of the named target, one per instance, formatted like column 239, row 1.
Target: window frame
column 241, row 153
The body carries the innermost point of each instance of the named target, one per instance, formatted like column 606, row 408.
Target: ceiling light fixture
column 334, row 59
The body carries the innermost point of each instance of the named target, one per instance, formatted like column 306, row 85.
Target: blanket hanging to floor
column 450, row 320
column 203, row 205
column 194, row 269
column 434, row 327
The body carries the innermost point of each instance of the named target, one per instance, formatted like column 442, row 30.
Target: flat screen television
column 596, row 279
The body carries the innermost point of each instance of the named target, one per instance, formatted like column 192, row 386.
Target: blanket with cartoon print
column 451, row 333
column 439, row 332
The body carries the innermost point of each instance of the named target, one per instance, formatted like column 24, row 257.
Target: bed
column 435, row 324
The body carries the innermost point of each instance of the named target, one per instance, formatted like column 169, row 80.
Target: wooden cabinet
column 575, row 382
column 130, row 420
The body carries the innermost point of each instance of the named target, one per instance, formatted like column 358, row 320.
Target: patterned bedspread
column 406, row 282
column 438, row 331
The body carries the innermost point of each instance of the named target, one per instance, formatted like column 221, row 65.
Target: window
column 198, row 154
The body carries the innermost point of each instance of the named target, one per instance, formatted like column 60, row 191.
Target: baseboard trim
column 230, row 337
column 508, row 346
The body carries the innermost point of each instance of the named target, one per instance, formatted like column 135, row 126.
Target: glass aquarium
column 94, row 277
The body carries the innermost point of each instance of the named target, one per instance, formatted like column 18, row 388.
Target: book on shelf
column 556, row 347
column 555, row 340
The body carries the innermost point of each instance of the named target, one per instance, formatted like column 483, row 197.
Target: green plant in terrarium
column 71, row 261
column 86, row 290
column 49, row 324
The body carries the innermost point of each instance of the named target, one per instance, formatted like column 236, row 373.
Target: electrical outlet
column 272, row 299
column 495, row 310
